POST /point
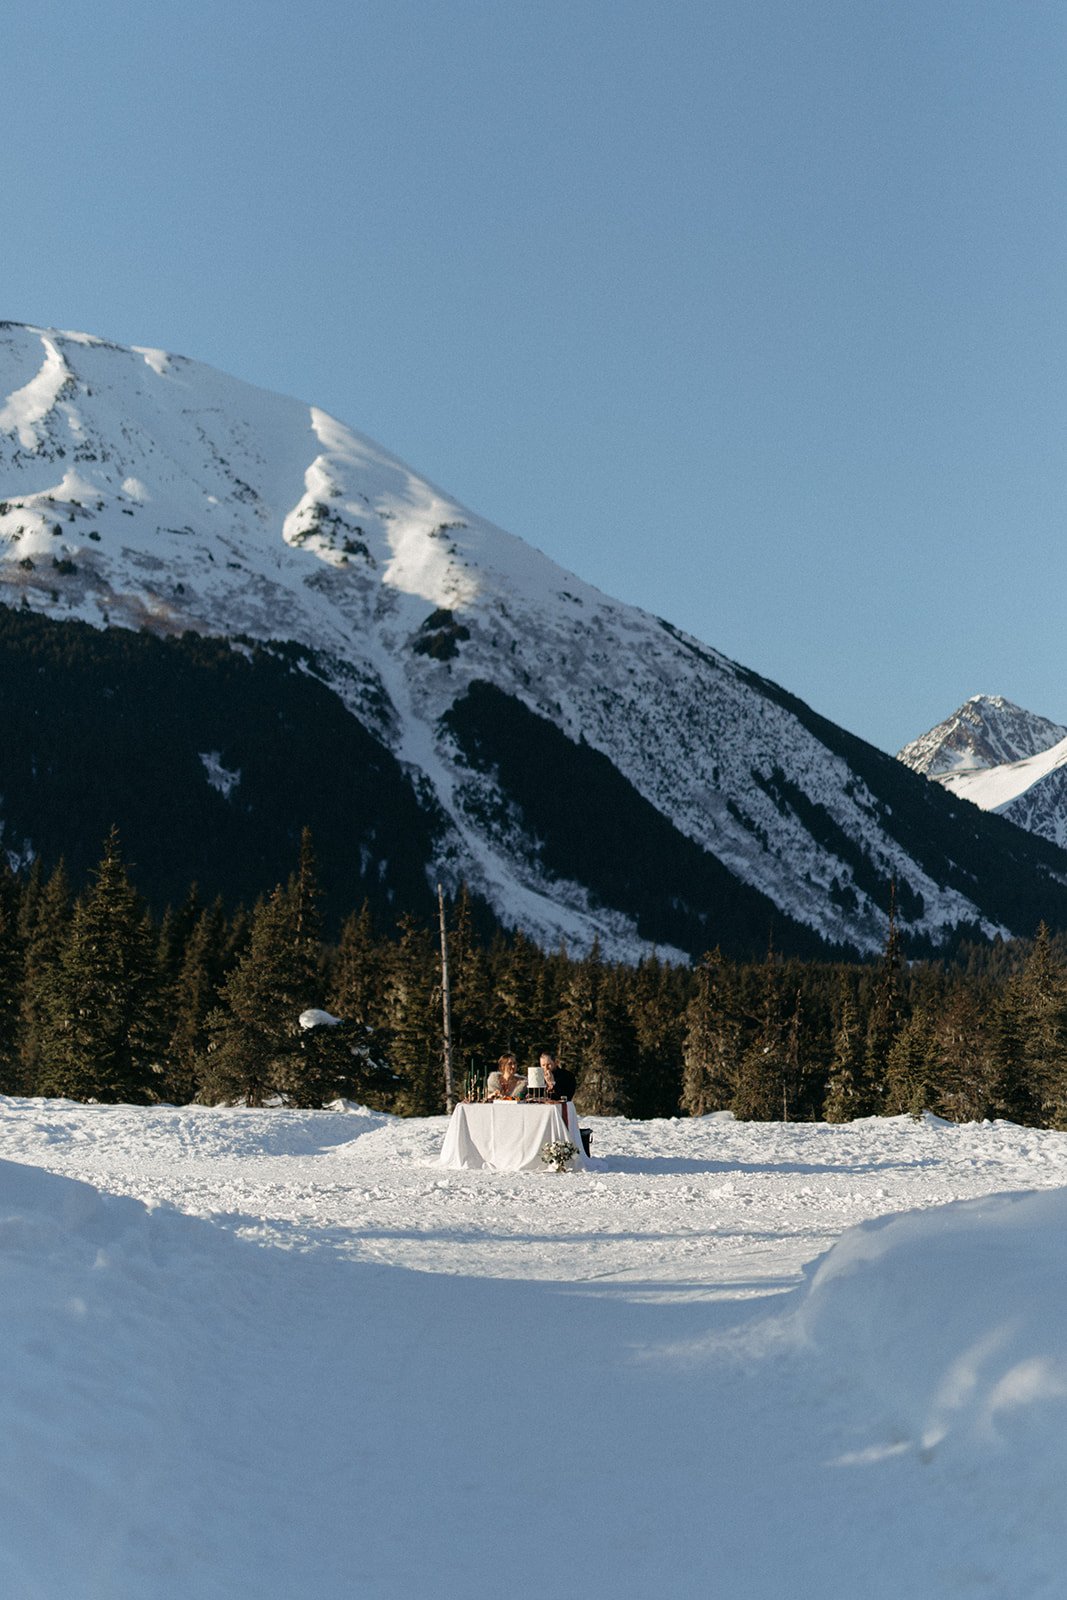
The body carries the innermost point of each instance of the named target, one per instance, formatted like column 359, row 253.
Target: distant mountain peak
column 1001, row 758
column 986, row 731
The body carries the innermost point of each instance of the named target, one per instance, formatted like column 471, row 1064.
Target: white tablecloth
column 508, row 1135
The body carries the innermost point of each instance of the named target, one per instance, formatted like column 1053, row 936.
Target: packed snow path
column 222, row 1382
column 729, row 1208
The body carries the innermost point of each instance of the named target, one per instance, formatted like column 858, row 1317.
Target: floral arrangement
column 559, row 1154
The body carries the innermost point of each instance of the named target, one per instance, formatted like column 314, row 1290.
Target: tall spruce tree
column 12, row 975
column 356, row 994
column 606, row 1086
column 576, row 1021
column 656, row 1015
column 1014, row 1096
column 887, row 1013
column 963, row 1062
column 175, row 932
column 257, row 1049
column 97, row 1040
column 356, row 977
column 46, row 925
column 413, row 1021
column 1041, row 1000
column 848, row 1090
column 711, row 1048
column 193, row 996
column 760, row 1091
column 472, row 1039
column 909, row 1075
column 792, row 1062
column 521, row 1014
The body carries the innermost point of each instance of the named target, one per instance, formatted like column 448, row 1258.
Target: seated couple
column 506, row 1083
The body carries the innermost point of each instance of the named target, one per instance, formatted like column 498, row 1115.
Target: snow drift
column 952, row 1325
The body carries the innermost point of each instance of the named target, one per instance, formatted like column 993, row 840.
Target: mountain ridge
column 143, row 490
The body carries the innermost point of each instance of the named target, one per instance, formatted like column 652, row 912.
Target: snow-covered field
column 279, row 1354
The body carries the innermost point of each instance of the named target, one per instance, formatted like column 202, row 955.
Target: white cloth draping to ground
column 508, row 1135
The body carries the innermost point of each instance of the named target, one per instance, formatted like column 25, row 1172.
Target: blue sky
column 753, row 314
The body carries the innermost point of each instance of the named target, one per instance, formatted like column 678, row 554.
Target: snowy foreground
column 279, row 1355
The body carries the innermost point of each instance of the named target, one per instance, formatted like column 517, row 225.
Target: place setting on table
column 510, row 1122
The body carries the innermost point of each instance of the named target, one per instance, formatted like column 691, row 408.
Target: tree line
column 100, row 1000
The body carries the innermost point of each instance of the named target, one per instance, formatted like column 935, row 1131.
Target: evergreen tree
column 656, row 1016
column 238, row 936
column 908, row 1068
column 760, row 1090
column 12, row 970
column 158, row 1002
column 1041, row 1000
column 11, row 978
column 413, row 1021
column 257, row 1048
column 356, row 994
column 711, row 1049
column 577, row 1018
column 32, row 888
column 194, row 995
column 46, row 926
column 792, row 1065
column 521, row 1019
column 356, row 978
column 886, row 1015
column 175, row 932
column 848, row 1092
column 963, row 1060
column 304, row 895
column 1013, row 1095
column 96, row 1040
column 606, row 1086
column 470, row 992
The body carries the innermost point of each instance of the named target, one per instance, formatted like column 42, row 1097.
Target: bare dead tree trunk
column 446, row 1005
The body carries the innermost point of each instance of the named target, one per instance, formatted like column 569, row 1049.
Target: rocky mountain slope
column 986, row 731
column 587, row 767
column 1003, row 759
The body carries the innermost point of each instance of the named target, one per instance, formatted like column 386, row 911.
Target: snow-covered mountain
column 587, row 767
column 1003, row 759
column 986, row 731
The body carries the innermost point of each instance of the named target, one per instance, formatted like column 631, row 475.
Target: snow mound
column 313, row 1017
column 954, row 1322
column 103, row 1315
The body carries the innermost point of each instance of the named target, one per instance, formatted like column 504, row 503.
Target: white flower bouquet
column 559, row 1154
